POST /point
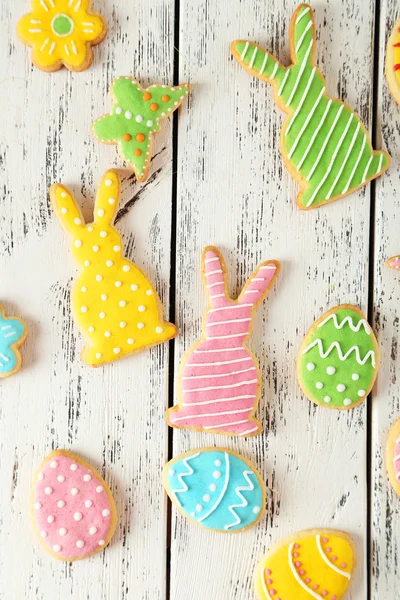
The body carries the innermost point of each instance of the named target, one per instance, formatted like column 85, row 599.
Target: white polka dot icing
column 74, row 523
column 212, row 500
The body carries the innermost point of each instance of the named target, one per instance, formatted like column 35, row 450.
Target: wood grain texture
column 385, row 505
column 114, row 416
column 233, row 192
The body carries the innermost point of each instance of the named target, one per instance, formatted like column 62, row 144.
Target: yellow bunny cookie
column 114, row 304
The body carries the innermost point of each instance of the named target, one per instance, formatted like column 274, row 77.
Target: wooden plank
column 113, row 416
column 233, row 192
column 385, row 524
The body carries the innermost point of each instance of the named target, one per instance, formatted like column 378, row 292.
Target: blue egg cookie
column 216, row 488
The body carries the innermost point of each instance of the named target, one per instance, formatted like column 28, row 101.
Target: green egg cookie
column 339, row 359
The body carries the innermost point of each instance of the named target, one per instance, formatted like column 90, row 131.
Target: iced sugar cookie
column 73, row 510
column 219, row 381
column 216, row 488
column 135, row 117
column 318, row 563
column 13, row 332
column 62, row 32
column 393, row 456
column 392, row 65
column 115, row 305
column 394, row 262
column 324, row 145
column 339, row 359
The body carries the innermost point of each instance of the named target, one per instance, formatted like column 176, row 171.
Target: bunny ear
column 214, row 274
column 259, row 283
column 302, row 35
column 107, row 198
column 66, row 209
column 257, row 61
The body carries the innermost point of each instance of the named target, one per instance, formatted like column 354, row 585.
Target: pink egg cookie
column 73, row 509
column 394, row 262
column 393, row 456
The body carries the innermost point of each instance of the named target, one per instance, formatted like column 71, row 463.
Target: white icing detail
column 122, row 303
column 331, row 370
column 103, row 234
column 355, row 166
column 226, row 337
column 275, row 70
column 159, row 329
column 118, row 110
column 342, row 356
column 355, row 377
column 366, row 169
column 206, row 498
column 117, row 350
column 303, row 35
column 87, row 263
column 118, row 284
column 256, row 510
column 261, row 71
column 60, row 478
column 93, row 530
column 214, row 272
column 99, row 277
column 62, row 531
column 341, row 387
column 43, row 3
column 61, row 504
column 344, row 162
column 226, row 424
column 310, row 366
column 380, row 164
column 225, row 487
column 74, row 48
column 311, row 142
column 109, row 263
column 108, row 182
column 78, row 243
column 74, row 491
column 283, row 82
column 327, row 399
column 50, row 519
column 304, row 96
column 347, row 401
column 77, row 516
column 251, row 63
column 237, row 349
column 228, row 412
column 84, row 288
column 43, row 534
column 104, row 297
column 102, row 315
column 319, row 385
column 317, row 160
column 140, row 325
column 101, row 542
column 134, row 287
column 180, row 477
column 218, row 400
column 99, row 489
column 87, row 477
column 35, row 30
column 348, row 320
column 228, row 322
column 297, row 576
column 48, row 490
column 52, row 48
column 329, row 169
column 219, row 374
column 243, row 503
column 149, row 123
column 107, row 334
column 222, row 387
column 74, row 467
column 361, row 393
column 302, row 14
column 131, row 341
column 88, row 503
column 80, row 544
column 141, row 308
column 54, row 464
column 310, row 115
column 395, row 459
column 37, row 506
column 56, row 547
column 244, row 51
column 98, row 355
column 199, row 507
column 303, row 66
column 106, row 512
column 42, row 47
column 212, row 487
column 220, row 363
column 328, row 562
column 149, row 292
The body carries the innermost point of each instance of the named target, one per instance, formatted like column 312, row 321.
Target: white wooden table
column 219, row 180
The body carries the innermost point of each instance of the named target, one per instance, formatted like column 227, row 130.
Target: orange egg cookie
column 393, row 456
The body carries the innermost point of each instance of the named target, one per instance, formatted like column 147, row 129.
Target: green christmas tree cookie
column 134, row 117
column 339, row 359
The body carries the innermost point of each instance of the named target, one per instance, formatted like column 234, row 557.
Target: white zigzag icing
column 187, row 473
column 244, row 503
column 342, row 356
column 348, row 320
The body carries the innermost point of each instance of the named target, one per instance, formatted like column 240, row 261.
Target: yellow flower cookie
column 317, row 563
column 114, row 304
column 62, row 32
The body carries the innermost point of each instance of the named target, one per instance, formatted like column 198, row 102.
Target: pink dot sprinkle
column 296, row 554
column 269, row 582
column 334, row 558
column 343, row 565
column 325, row 540
column 302, row 572
column 297, row 563
column 328, row 549
column 268, row 572
column 297, row 546
column 307, row 580
column 316, row 586
column 334, row 598
column 324, row 592
column 272, row 592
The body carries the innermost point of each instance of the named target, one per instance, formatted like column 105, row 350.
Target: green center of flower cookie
column 62, row 25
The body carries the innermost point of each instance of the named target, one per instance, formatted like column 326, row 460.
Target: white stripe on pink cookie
column 73, row 509
column 219, row 384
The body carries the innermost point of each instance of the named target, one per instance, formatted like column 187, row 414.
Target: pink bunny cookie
column 219, row 383
column 73, row 509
